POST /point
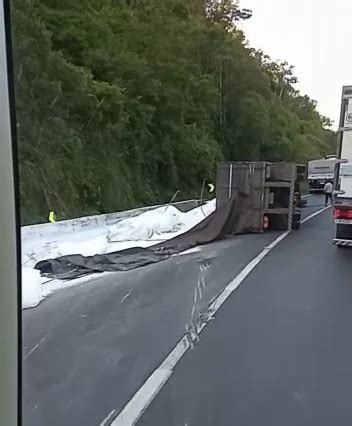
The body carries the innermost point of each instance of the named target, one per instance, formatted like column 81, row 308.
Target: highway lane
column 286, row 356
column 88, row 349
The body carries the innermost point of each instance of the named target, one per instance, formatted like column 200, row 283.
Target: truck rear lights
column 342, row 214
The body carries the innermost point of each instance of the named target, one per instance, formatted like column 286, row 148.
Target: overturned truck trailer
column 251, row 197
column 272, row 191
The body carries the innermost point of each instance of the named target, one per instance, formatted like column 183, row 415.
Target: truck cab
column 343, row 173
column 320, row 172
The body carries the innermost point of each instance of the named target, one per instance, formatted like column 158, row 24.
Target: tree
column 121, row 103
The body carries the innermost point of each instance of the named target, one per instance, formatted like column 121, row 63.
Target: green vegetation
column 121, row 103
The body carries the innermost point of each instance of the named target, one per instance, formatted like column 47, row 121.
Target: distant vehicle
column 343, row 173
column 320, row 172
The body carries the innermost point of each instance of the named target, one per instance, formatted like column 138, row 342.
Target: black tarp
column 236, row 216
column 76, row 265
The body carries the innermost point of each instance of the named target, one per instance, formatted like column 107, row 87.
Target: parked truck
column 343, row 173
column 320, row 172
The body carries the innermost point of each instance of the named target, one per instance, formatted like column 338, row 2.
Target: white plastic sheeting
column 31, row 287
column 147, row 225
column 47, row 241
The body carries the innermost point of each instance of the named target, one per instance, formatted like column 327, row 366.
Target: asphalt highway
column 286, row 358
column 89, row 348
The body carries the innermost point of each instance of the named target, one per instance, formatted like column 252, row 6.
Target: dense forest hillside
column 121, row 103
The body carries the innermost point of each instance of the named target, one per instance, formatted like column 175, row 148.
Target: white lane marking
column 315, row 214
column 35, row 347
column 107, row 419
column 125, row 296
column 231, row 287
column 140, row 401
column 306, row 196
column 145, row 395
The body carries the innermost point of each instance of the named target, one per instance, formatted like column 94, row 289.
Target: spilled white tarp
column 46, row 241
column 31, row 287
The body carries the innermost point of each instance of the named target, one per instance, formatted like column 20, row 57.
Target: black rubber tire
column 296, row 225
column 296, row 217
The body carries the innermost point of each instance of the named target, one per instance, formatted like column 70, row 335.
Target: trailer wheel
column 296, row 226
column 296, row 217
column 302, row 203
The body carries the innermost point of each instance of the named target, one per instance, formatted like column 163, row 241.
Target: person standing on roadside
column 328, row 189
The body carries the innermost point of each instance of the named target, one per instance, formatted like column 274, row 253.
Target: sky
column 314, row 36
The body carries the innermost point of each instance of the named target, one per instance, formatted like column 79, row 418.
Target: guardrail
column 97, row 221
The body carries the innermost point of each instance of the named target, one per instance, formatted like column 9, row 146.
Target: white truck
column 343, row 173
column 320, row 172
